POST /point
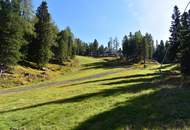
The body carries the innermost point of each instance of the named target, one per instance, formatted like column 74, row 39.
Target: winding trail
column 59, row 83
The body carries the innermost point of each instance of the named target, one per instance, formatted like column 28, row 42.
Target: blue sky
column 102, row 19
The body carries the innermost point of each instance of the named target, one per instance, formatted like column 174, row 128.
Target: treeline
column 160, row 53
column 177, row 49
column 32, row 37
column 179, row 42
column 25, row 36
column 97, row 49
column 137, row 47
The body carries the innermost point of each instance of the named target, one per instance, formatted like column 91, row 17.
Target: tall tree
column 125, row 45
column 185, row 44
column 175, row 36
column 116, row 44
column 41, row 46
column 110, row 45
column 101, row 50
column 138, row 38
column 61, row 51
column 160, row 52
column 166, row 59
column 149, row 46
column 11, row 33
column 69, row 41
column 95, row 46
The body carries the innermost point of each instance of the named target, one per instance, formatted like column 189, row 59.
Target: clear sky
column 102, row 19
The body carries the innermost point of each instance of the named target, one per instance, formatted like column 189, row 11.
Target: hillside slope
column 133, row 98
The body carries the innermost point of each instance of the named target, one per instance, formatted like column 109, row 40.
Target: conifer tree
column 125, row 45
column 11, row 33
column 95, row 46
column 61, row 51
column 175, row 36
column 185, row 44
column 160, row 52
column 27, row 14
column 40, row 49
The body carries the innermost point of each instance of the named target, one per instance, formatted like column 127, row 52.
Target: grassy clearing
column 27, row 75
column 135, row 98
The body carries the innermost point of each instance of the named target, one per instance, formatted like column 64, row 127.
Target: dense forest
column 34, row 37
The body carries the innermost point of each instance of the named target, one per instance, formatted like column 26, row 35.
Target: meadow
column 103, row 96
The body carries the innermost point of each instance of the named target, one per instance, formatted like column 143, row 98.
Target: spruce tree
column 101, row 50
column 132, row 48
column 110, row 45
column 69, row 40
column 11, row 33
column 185, row 44
column 40, row 49
column 62, row 48
column 149, row 45
column 95, row 46
column 167, row 46
column 175, row 34
column 26, row 12
column 160, row 52
column 138, row 38
column 125, row 45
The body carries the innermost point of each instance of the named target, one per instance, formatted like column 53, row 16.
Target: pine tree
column 149, row 46
column 101, row 50
column 160, row 52
column 125, row 45
column 110, row 45
column 132, row 48
column 185, row 44
column 40, row 49
column 61, row 50
column 69, row 40
column 26, row 12
column 138, row 38
column 167, row 46
column 95, row 46
column 174, row 38
column 65, row 48
column 11, row 33
column 78, row 44
column 70, row 46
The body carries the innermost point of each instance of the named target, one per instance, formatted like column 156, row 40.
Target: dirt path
column 58, row 84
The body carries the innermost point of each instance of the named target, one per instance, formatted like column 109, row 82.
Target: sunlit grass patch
column 133, row 97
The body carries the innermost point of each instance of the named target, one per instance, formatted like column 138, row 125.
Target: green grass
column 53, row 73
column 134, row 98
column 20, row 74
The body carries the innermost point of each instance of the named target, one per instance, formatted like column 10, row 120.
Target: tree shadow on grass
column 105, row 93
column 166, row 66
column 168, row 108
column 115, row 78
column 149, row 83
column 117, row 90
